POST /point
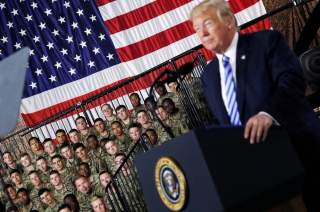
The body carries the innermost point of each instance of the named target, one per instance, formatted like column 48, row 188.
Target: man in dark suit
column 256, row 81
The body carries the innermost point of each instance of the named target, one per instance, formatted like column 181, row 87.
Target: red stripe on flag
column 237, row 6
column 103, row 2
column 155, row 42
column 142, row 14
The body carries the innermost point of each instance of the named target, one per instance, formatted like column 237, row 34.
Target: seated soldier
column 43, row 168
column 102, row 131
column 36, row 147
column 64, row 208
column 98, row 204
column 96, row 164
column 121, row 138
column 108, row 114
column 50, row 149
column 136, row 104
column 61, row 137
column 37, row 185
column 48, row 199
column 146, row 123
column 112, row 149
column 175, row 113
column 163, row 93
column 94, row 149
column 24, row 200
column 12, row 194
column 74, row 136
column 59, row 165
column 83, row 128
column 85, row 191
column 16, row 178
column 135, row 131
column 70, row 160
column 72, row 202
column 27, row 165
column 153, row 137
column 10, row 162
column 124, row 116
column 84, row 170
column 60, row 188
column 177, row 126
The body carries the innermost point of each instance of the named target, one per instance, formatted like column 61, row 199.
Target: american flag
column 80, row 47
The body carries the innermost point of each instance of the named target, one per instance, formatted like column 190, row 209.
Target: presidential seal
column 170, row 183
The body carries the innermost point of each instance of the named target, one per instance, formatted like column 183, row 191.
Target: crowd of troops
column 71, row 172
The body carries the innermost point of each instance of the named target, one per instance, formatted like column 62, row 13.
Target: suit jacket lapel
column 241, row 69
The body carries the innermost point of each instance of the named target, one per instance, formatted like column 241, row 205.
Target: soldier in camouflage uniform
column 98, row 204
column 83, row 128
column 12, row 195
column 175, row 114
column 163, row 93
column 43, row 169
column 24, row 200
column 50, row 150
column 48, row 199
column 135, row 131
column 60, row 188
column 124, row 117
column 37, row 186
column 112, row 148
column 153, row 137
column 36, row 148
column 85, row 191
column 66, row 174
column 136, row 104
column 102, row 131
column 146, row 123
column 17, row 179
column 70, row 160
column 10, row 163
column 61, row 137
column 27, row 166
column 108, row 114
column 74, row 136
column 121, row 138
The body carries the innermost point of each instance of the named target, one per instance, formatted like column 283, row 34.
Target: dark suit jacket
column 269, row 78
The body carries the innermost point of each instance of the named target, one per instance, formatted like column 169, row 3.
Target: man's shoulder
column 262, row 37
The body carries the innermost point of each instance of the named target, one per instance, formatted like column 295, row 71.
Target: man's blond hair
column 220, row 6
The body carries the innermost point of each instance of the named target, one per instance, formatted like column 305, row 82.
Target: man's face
column 98, row 205
column 135, row 101
column 123, row 114
column 118, row 161
column 142, row 118
column 49, row 147
column 55, row 179
column 93, row 143
column 173, row 87
column 83, row 185
column 135, row 133
column 61, row 137
column 84, row 170
column 23, row 198
column 214, row 34
column 7, row 158
column 162, row 114
column 74, row 137
column 153, row 137
column 46, row 198
column 117, row 129
column 107, row 110
column 168, row 107
column 161, row 90
column 26, row 161
column 58, row 164
column 35, row 179
column 67, row 153
column 42, row 165
column 12, row 193
column 81, row 124
column 35, row 145
column 105, row 179
column 111, row 147
column 99, row 126
column 81, row 153
column 16, row 178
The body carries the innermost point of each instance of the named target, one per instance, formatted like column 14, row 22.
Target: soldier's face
column 74, row 137
column 61, row 137
column 105, row 179
column 7, row 158
column 58, row 164
column 135, row 133
column 12, row 193
column 42, row 165
column 16, row 178
column 98, row 206
column 111, row 147
column 67, row 153
column 55, row 179
column 161, row 90
column 35, row 145
column 118, row 161
column 142, row 118
column 23, row 198
column 99, row 126
column 93, row 143
column 107, row 111
column 173, row 87
column 135, row 101
column 162, row 114
column 168, row 107
column 49, row 147
column 81, row 124
column 35, row 179
column 123, row 114
column 83, row 185
column 46, row 198
column 84, row 171
column 81, row 153
column 25, row 161
column 117, row 129
column 153, row 137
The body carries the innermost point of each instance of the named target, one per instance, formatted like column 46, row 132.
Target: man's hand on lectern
column 257, row 128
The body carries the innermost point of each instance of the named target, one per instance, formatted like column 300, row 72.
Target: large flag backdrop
column 81, row 47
